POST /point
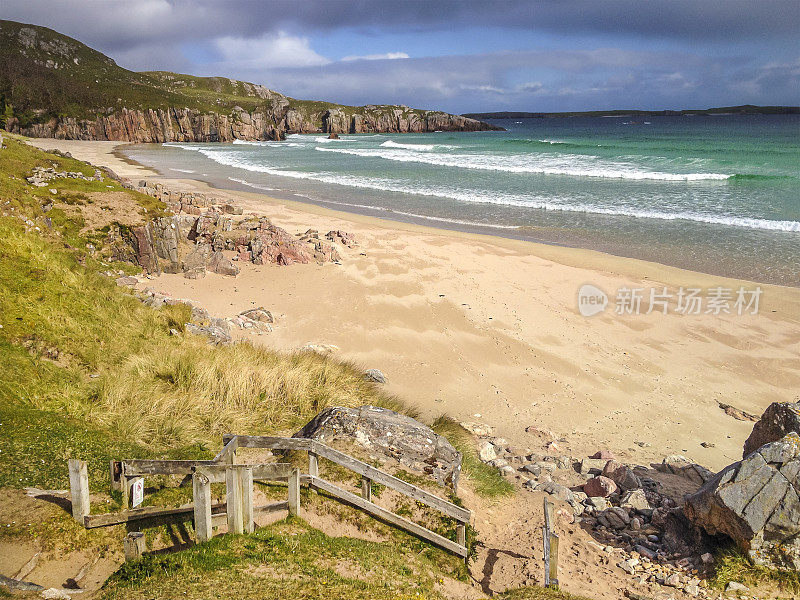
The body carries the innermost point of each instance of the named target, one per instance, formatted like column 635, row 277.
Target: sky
column 460, row 55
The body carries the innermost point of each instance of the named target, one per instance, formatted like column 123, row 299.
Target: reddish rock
column 604, row 454
column 599, row 487
column 623, row 476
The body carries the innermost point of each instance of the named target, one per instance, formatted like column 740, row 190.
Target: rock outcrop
column 389, row 434
column 779, row 419
column 755, row 502
column 195, row 240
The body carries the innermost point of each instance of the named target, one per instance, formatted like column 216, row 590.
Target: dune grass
column 733, row 565
column 76, row 345
column 487, row 480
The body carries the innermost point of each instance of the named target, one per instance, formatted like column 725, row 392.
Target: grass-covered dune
column 103, row 366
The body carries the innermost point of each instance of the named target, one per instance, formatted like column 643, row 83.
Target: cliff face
column 187, row 125
column 54, row 86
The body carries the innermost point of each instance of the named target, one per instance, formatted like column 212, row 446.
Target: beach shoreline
column 471, row 324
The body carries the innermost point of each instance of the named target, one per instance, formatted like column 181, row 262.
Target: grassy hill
column 54, row 82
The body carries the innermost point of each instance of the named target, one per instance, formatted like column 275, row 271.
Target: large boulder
column 755, row 502
column 779, row 419
column 390, row 434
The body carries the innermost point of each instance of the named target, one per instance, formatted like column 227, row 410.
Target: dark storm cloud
column 120, row 25
column 574, row 55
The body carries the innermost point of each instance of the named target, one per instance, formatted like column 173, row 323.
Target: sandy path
column 467, row 324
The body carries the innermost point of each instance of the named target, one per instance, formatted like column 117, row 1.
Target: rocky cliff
column 54, row 86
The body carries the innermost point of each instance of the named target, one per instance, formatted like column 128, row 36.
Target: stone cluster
column 194, row 240
column 41, row 176
column 623, row 506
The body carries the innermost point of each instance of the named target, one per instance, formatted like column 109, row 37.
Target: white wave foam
column 182, row 170
column 252, row 185
column 416, row 147
column 325, row 140
column 576, row 166
column 565, row 204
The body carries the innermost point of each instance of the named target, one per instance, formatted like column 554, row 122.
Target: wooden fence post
column 79, row 488
column 313, row 464
column 461, row 538
column 233, row 494
column 126, row 490
column 134, row 545
column 294, row 492
column 246, row 484
column 550, row 541
column 201, row 490
column 366, row 489
column 114, row 476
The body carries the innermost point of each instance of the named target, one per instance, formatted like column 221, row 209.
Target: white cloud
column 386, row 56
column 269, row 51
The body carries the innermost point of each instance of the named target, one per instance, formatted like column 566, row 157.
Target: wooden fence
column 238, row 510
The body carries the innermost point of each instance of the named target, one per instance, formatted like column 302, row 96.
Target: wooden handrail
column 355, row 465
column 417, row 493
column 388, row 516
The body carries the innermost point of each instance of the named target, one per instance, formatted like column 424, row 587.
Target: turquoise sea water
column 716, row 194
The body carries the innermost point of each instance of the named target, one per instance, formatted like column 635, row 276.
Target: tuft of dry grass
column 733, row 565
column 190, row 391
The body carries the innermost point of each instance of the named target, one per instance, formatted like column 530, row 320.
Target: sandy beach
column 487, row 330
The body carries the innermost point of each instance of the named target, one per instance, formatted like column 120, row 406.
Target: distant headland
column 746, row 109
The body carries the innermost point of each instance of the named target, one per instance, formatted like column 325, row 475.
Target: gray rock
column 260, row 314
column 555, row 489
column 622, row 475
column 594, row 466
column 218, row 263
column 487, row 451
column 374, row 375
column 779, row 419
column 127, row 281
column 533, row 469
column 755, row 502
column 635, row 499
column 217, row 331
column 736, row 587
column 390, row 434
column 194, row 265
column 677, row 464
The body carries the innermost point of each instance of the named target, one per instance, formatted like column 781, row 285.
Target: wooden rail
column 238, row 510
column 369, row 474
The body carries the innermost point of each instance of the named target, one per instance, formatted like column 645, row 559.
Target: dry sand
column 468, row 325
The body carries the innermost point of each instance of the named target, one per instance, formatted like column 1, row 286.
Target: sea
column 716, row 194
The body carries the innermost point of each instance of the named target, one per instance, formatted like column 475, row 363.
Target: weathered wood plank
column 201, row 490
column 269, row 442
column 362, row 468
column 265, row 472
column 233, row 494
column 313, row 464
column 389, row 516
column 246, row 485
column 137, row 468
column 271, row 471
column 228, row 453
column 104, row 520
column 79, row 488
column 294, row 492
column 134, row 545
column 366, row 489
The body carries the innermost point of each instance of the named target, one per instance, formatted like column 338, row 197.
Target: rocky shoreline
column 188, row 125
